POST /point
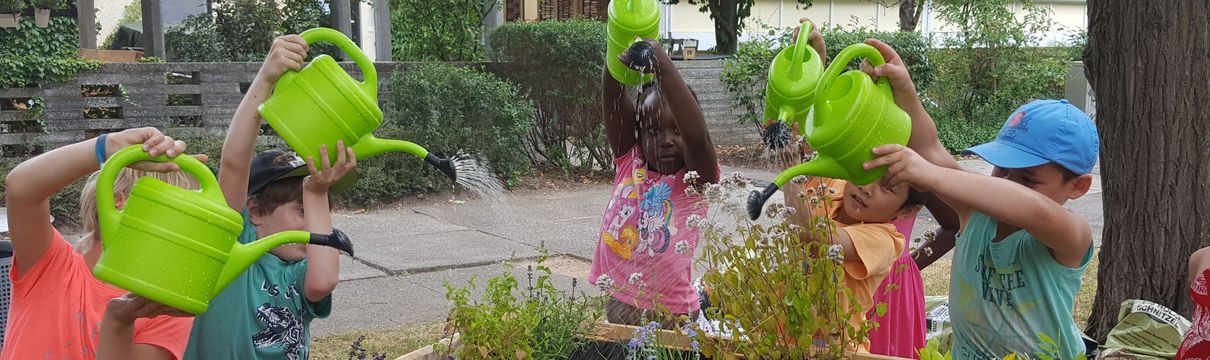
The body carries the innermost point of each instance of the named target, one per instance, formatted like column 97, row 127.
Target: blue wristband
column 101, row 149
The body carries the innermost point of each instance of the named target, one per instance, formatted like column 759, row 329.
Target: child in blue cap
column 1020, row 254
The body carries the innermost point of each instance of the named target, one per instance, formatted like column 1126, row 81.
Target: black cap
column 272, row 165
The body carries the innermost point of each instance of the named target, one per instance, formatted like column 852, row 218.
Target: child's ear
column 1079, row 186
column 253, row 214
column 119, row 200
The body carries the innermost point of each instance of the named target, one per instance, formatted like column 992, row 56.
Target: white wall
column 685, row 21
column 108, row 14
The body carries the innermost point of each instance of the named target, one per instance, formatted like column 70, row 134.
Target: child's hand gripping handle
column 107, row 213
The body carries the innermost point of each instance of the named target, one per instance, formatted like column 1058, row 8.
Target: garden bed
column 609, row 339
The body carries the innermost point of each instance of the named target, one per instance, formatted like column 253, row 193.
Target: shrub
column 559, row 64
column 447, row 110
column 437, row 30
column 243, row 30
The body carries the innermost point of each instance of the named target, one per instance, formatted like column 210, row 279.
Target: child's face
column 1048, row 180
column 658, row 135
column 873, row 203
column 288, row 216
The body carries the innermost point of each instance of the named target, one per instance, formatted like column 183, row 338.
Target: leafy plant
column 243, row 30
column 34, row 55
column 450, row 111
column 12, row 6
column 538, row 322
column 559, row 64
column 932, row 351
column 776, row 295
column 49, row 4
column 438, row 30
column 991, row 65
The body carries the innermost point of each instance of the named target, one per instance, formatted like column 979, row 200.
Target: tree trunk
column 1145, row 61
column 909, row 14
column 726, row 25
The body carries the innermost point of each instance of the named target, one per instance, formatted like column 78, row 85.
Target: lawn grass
column 393, row 342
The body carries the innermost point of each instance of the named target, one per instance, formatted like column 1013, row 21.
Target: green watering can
column 322, row 104
column 629, row 19
column 176, row 246
column 853, row 115
column 793, row 76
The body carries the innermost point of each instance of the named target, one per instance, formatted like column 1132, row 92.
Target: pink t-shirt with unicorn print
column 645, row 249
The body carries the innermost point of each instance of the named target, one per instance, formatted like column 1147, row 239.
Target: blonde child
column 58, row 309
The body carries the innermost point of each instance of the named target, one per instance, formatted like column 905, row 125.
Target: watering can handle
column 328, row 35
column 107, row 211
column 843, row 58
column 801, row 48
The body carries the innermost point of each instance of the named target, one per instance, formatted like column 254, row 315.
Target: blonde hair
column 121, row 186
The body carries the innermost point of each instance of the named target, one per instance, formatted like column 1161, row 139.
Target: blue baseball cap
column 1044, row 131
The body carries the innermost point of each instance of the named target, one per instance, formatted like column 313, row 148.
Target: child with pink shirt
column 645, row 254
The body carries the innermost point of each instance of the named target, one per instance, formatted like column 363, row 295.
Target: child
column 1020, row 256
column 645, row 253
column 58, row 309
column 267, row 311
column 862, row 218
column 1197, row 341
column 901, row 328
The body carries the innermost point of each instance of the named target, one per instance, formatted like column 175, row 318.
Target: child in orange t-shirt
column 861, row 216
column 58, row 309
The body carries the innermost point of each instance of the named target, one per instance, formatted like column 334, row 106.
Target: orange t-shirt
column 57, row 306
column 878, row 246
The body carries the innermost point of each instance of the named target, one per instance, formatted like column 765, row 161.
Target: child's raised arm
column 620, row 114
column 699, row 150
column 1065, row 233
column 323, row 262
column 924, row 132
column 287, row 52
column 29, row 186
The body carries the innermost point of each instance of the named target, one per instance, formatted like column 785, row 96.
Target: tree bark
column 726, row 25
column 1145, row 61
column 909, row 14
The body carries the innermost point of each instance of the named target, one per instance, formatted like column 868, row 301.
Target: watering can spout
column 824, row 166
column 243, row 255
column 369, row 145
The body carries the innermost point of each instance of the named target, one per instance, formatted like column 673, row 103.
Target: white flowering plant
column 775, row 294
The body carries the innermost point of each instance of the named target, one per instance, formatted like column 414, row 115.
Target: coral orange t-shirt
column 57, row 306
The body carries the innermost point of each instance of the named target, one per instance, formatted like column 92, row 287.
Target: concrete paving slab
column 426, row 252
column 380, row 303
column 401, row 221
column 352, row 269
column 435, row 281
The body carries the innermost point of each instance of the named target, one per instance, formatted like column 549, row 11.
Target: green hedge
column 744, row 74
column 559, row 64
column 243, row 30
column 448, row 110
column 437, row 30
